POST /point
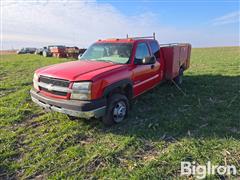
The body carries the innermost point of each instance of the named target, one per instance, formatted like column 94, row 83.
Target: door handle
column 152, row 66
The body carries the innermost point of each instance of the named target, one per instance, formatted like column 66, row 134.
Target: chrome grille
column 54, row 92
column 59, row 85
column 54, row 81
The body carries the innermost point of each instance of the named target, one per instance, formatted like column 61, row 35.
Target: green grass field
column 164, row 127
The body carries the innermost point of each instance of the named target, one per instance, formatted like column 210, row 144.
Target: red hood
column 74, row 69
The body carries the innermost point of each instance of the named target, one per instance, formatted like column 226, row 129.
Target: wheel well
column 182, row 67
column 124, row 89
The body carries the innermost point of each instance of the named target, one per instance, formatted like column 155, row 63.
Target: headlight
column 81, row 90
column 35, row 79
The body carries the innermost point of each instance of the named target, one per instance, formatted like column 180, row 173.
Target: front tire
column 117, row 109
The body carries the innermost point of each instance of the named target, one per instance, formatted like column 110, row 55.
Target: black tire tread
column 113, row 99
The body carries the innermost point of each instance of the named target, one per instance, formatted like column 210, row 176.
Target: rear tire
column 179, row 79
column 117, row 109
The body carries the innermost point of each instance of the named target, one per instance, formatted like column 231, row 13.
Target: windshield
column 112, row 52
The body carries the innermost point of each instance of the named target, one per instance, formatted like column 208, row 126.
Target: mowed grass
column 164, row 127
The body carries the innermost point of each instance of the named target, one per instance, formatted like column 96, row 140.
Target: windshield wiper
column 103, row 60
column 107, row 61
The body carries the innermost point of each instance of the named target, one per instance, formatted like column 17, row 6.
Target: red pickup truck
column 108, row 76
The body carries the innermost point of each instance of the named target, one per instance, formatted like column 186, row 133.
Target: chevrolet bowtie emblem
column 50, row 87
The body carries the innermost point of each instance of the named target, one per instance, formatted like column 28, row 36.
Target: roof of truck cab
column 117, row 40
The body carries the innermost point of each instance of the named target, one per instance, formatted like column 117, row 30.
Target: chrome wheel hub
column 119, row 111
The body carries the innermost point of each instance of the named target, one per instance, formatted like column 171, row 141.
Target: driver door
column 144, row 75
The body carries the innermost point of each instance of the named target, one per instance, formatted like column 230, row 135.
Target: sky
column 37, row 23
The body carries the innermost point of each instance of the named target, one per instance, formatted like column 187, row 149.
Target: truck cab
column 106, row 78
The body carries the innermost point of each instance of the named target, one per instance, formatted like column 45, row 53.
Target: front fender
column 121, row 83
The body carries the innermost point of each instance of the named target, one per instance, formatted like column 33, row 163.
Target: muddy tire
column 117, row 109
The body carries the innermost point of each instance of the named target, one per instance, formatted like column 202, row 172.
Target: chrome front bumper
column 47, row 105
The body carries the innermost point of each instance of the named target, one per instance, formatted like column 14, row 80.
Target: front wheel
column 117, row 109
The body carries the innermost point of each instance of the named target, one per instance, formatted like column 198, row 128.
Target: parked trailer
column 47, row 51
column 66, row 52
column 72, row 52
column 58, row 51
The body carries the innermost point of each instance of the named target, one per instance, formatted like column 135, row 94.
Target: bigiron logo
column 201, row 171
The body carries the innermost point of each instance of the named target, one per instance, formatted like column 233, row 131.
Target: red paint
column 103, row 74
column 175, row 57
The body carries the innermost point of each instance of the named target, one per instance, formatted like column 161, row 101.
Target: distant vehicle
column 39, row 51
column 74, row 52
column 62, row 51
column 58, row 51
column 27, row 51
column 48, row 51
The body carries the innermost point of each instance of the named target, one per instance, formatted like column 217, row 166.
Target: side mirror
column 149, row 60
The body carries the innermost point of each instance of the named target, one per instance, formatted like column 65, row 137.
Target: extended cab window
column 141, row 52
column 110, row 52
column 155, row 49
